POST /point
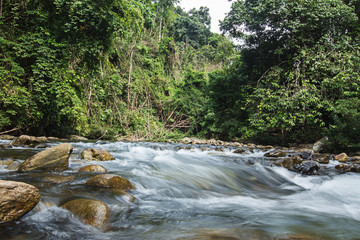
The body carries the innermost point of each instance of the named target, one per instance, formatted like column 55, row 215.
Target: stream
column 189, row 194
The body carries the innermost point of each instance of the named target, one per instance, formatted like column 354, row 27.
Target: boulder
column 341, row 157
column 306, row 155
column 93, row 154
column 89, row 211
column 27, row 140
column 14, row 165
column 307, row 167
column 239, row 150
column 110, row 181
column 347, row 168
column 92, row 168
column 275, row 153
column 16, row 199
column 319, row 145
column 52, row 159
column 78, row 138
column 7, row 137
column 322, row 158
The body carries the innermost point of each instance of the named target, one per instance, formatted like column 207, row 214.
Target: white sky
column 217, row 9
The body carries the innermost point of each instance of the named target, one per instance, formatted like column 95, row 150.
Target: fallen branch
column 12, row 130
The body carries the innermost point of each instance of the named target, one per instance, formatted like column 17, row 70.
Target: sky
column 217, row 9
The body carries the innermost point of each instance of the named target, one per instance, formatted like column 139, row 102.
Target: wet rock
column 92, row 168
column 16, row 199
column 4, row 146
column 275, row 153
column 53, row 138
column 239, row 150
column 322, row 158
column 78, row 138
column 93, row 154
column 6, row 162
column 52, row 159
column 347, row 168
column 27, row 140
column 7, row 137
column 319, row 145
column 306, row 155
column 341, row 157
column 89, row 211
column 307, row 167
column 287, row 163
column 14, row 165
column 110, row 181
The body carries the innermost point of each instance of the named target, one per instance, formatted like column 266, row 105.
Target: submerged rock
column 16, row 199
column 52, row 159
column 92, row 168
column 239, row 150
column 14, row 165
column 110, row 181
column 93, row 154
column 341, row 157
column 89, row 211
column 275, row 153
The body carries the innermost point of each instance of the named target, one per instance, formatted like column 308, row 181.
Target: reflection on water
column 190, row 194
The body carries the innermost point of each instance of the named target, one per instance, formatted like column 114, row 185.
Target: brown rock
column 93, row 154
column 239, row 150
column 341, row 157
column 92, row 168
column 16, row 199
column 52, row 159
column 78, row 138
column 275, row 153
column 14, row 165
column 7, row 137
column 27, row 140
column 110, row 181
column 59, row 179
column 287, row 163
column 322, row 158
column 89, row 211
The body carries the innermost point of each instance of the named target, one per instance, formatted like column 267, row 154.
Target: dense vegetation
column 151, row 70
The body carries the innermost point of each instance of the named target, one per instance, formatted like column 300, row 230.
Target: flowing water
column 190, row 194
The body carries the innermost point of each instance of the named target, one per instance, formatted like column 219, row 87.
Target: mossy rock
column 93, row 154
column 89, row 211
column 110, row 181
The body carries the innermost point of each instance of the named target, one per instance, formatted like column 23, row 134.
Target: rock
column 53, row 138
column 89, row 211
column 322, row 158
column 6, row 162
column 110, row 181
column 7, row 137
column 275, row 153
column 341, row 157
column 78, row 138
column 14, row 165
column 27, row 140
column 307, row 155
column 92, row 168
column 347, row 168
column 319, row 145
column 287, row 163
column 239, row 150
column 307, row 167
column 93, row 154
column 16, row 199
column 52, row 159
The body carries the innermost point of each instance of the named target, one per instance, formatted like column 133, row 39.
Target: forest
column 282, row 71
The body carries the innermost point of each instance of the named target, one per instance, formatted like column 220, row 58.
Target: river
column 190, row 194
